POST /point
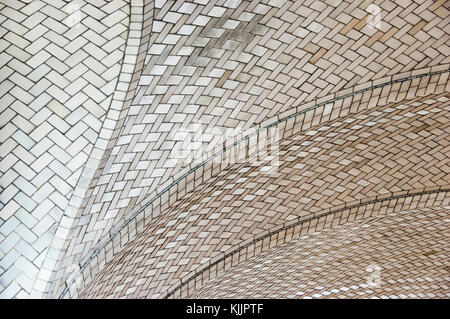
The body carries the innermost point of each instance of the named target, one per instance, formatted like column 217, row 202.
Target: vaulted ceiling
column 351, row 97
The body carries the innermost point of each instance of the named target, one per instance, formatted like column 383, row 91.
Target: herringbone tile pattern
column 242, row 63
column 352, row 104
column 303, row 226
column 399, row 148
column 88, row 139
column 60, row 64
column 305, row 121
column 398, row 255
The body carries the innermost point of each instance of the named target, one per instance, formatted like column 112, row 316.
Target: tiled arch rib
column 395, row 149
column 341, row 105
column 66, row 70
column 345, row 261
column 232, row 63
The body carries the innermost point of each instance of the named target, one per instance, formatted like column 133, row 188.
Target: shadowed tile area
column 398, row 255
column 399, row 147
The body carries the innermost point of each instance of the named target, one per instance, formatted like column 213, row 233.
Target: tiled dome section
column 397, row 255
column 242, row 64
column 378, row 153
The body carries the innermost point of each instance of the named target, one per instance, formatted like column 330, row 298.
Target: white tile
column 217, row 11
column 172, row 17
column 43, row 225
column 43, row 161
column 187, row 8
column 201, row 20
column 172, row 60
column 186, row 30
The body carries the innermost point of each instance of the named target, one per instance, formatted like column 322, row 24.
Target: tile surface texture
column 94, row 92
column 245, row 66
column 317, row 173
column 60, row 65
column 350, row 261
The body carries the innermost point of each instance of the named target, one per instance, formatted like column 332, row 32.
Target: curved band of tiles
column 142, row 208
column 224, row 148
column 307, row 225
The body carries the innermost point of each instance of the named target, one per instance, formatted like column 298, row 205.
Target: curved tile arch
column 187, row 35
column 164, row 108
column 293, row 231
column 60, row 66
column 413, row 112
column 340, row 262
column 416, row 85
column 233, row 63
